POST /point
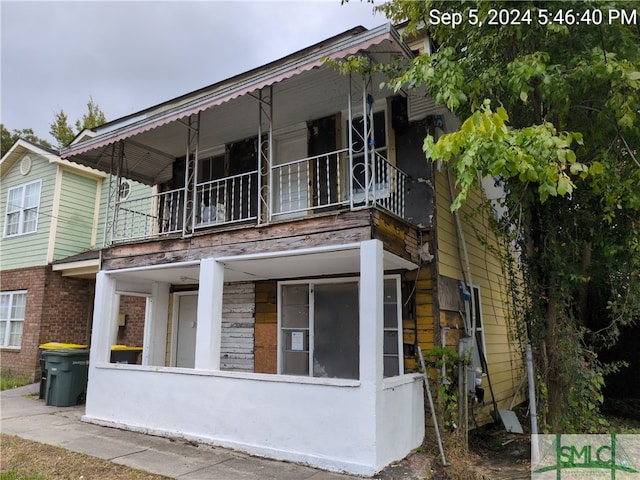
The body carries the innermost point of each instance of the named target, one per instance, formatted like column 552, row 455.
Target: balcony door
column 290, row 175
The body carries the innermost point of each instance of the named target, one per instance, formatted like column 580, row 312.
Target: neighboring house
column 296, row 252
column 52, row 213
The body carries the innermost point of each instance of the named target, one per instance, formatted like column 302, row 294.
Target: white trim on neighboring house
column 81, row 268
column 21, row 148
column 96, row 215
column 55, row 211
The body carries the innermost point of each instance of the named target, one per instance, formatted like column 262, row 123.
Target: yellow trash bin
column 125, row 354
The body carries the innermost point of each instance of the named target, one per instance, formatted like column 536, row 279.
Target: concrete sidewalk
column 27, row 417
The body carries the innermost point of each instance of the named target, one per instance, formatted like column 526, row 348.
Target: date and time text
column 541, row 16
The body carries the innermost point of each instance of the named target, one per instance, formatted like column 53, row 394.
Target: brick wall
column 132, row 333
column 58, row 309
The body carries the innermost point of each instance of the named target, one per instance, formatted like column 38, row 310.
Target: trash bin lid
column 66, row 352
column 58, row 346
column 125, row 347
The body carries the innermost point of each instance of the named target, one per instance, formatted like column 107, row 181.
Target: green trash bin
column 67, row 372
column 43, row 368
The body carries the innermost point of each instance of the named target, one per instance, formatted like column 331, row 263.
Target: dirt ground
column 494, row 454
column 20, row 459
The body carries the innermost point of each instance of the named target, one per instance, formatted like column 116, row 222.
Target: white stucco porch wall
column 355, row 426
column 330, row 424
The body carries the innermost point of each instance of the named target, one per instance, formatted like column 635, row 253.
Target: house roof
column 81, row 265
column 22, row 147
column 156, row 136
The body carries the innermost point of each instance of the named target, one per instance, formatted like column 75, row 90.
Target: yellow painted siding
column 423, row 327
column 503, row 352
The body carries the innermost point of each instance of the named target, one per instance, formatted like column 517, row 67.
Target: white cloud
column 132, row 55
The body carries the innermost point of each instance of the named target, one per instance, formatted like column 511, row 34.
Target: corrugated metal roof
column 155, row 137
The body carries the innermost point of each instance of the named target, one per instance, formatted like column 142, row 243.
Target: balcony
column 300, row 188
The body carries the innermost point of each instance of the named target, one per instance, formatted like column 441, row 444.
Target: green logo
column 576, row 454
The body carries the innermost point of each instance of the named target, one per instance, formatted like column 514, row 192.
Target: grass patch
column 10, row 381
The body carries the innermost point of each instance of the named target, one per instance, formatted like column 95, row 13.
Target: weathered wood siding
column 503, row 354
column 30, row 249
column 76, row 214
column 238, row 320
column 398, row 236
column 419, row 325
column 336, row 229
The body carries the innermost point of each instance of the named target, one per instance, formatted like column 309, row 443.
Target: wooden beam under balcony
column 338, row 228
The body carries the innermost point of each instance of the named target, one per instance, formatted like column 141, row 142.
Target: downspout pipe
column 535, row 451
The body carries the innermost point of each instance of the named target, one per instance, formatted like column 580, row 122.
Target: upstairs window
column 23, row 203
column 12, row 311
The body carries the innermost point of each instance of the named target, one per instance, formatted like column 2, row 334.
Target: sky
column 128, row 56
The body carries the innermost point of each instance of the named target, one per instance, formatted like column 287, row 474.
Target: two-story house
column 53, row 221
column 295, row 254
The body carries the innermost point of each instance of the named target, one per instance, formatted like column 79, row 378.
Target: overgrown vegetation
column 443, row 363
column 552, row 111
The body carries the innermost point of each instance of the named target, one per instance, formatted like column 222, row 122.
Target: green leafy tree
column 64, row 133
column 92, row 118
column 9, row 138
column 551, row 106
column 60, row 129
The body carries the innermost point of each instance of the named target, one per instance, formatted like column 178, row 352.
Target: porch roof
column 156, row 136
column 308, row 262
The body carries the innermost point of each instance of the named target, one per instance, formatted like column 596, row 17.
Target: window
column 320, row 328
column 476, row 311
column 12, row 310
column 125, row 189
column 22, row 209
column 393, row 365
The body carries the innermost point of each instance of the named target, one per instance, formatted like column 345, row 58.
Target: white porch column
column 209, row 320
column 371, row 312
column 115, row 311
column 105, row 311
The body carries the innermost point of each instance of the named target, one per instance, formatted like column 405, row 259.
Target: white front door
column 187, row 312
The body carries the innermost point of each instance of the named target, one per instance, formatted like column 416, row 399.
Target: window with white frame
column 476, row 311
column 319, row 326
column 23, row 203
column 12, row 311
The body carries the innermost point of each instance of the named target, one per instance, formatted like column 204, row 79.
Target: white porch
column 352, row 425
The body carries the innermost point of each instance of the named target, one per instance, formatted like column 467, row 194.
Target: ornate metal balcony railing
column 301, row 187
column 148, row 217
column 227, row 200
column 386, row 185
column 306, row 185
